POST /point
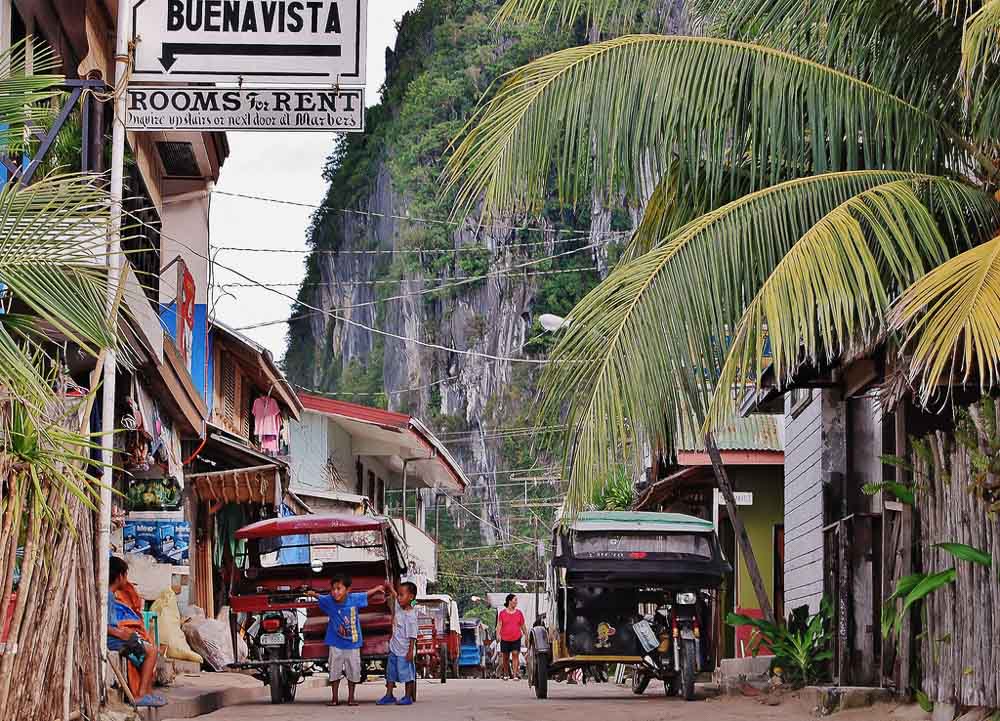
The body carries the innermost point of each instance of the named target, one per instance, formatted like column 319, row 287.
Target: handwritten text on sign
column 191, row 108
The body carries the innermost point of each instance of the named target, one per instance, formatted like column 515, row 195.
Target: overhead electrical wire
column 387, row 393
column 456, row 283
column 412, row 219
column 423, row 251
column 358, row 324
column 397, row 281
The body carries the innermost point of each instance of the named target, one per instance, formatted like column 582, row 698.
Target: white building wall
column 307, row 440
column 340, row 453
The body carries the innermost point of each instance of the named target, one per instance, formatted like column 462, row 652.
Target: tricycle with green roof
column 626, row 587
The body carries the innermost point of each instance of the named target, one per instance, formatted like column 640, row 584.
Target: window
column 614, row 545
column 798, row 399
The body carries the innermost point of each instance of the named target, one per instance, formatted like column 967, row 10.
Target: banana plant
column 802, row 653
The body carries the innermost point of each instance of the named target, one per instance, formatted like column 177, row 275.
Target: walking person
column 512, row 631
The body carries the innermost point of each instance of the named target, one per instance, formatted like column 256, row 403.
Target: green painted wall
column 767, row 484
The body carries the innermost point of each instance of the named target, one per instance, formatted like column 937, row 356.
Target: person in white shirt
column 400, row 667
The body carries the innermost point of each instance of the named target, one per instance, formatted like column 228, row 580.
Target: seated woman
column 128, row 636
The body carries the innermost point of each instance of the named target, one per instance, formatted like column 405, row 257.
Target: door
column 779, row 571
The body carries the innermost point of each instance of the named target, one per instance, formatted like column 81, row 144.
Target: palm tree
column 825, row 175
column 55, row 295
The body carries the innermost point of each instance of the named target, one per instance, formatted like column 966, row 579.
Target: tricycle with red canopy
column 283, row 559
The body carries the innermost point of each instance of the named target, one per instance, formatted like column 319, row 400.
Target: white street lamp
column 553, row 323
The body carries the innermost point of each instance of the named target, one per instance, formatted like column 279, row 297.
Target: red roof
column 367, row 414
column 295, row 525
column 388, row 420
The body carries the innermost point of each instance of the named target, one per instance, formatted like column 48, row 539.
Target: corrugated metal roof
column 753, row 433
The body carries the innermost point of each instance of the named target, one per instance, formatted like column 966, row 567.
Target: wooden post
column 843, row 671
column 905, row 558
column 722, row 480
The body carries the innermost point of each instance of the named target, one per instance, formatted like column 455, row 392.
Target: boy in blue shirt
column 343, row 634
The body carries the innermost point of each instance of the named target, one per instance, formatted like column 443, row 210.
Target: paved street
column 491, row 700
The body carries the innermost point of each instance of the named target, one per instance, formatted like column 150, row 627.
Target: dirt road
column 492, row 700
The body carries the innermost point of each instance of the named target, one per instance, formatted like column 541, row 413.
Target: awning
column 242, row 485
column 240, row 474
column 658, row 492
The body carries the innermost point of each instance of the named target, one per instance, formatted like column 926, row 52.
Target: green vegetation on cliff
column 447, row 56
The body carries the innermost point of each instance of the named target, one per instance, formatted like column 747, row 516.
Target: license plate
column 272, row 639
column 687, row 634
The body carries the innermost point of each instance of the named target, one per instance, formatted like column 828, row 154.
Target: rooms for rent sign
column 201, row 108
column 268, row 41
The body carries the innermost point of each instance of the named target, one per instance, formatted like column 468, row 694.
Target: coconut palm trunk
column 52, row 263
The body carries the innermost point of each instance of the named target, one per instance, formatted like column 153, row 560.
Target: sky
column 285, row 166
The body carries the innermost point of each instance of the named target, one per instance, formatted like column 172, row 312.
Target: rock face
column 460, row 353
column 430, row 317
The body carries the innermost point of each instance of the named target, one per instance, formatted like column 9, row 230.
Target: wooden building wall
column 803, row 501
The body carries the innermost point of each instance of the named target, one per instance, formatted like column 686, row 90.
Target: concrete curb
column 830, row 699
column 189, row 701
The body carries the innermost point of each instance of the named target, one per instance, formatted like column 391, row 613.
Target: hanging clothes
column 267, row 423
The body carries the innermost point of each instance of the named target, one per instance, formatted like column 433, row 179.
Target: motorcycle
column 671, row 641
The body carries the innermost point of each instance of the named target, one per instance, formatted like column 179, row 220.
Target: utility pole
column 114, row 263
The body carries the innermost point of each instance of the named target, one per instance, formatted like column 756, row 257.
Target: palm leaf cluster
column 824, row 184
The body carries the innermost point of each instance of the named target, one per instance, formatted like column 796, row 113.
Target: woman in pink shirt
column 511, row 630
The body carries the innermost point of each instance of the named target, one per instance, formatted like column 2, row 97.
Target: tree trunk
column 722, row 480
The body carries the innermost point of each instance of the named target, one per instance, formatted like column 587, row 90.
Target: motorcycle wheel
column 444, row 664
column 290, row 687
column 275, row 682
column 687, row 669
column 640, row 680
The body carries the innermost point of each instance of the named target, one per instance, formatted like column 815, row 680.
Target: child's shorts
column 345, row 662
column 399, row 670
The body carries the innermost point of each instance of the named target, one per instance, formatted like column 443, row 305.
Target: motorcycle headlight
column 686, row 599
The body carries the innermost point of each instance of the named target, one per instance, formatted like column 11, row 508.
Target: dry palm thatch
column 52, row 237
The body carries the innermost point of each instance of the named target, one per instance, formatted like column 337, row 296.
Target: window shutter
column 247, row 411
column 228, row 388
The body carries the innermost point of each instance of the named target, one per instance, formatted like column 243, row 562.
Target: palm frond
column 600, row 16
column 670, row 206
column 602, row 113
column 52, row 255
column 22, row 95
column 980, row 53
column 877, row 41
column 951, row 321
column 645, row 347
column 667, row 209
column 830, row 292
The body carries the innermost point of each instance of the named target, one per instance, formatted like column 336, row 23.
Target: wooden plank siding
column 804, row 504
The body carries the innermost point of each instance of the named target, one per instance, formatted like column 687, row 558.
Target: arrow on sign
column 170, row 51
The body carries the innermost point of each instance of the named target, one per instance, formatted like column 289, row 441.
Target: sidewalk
column 195, row 694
